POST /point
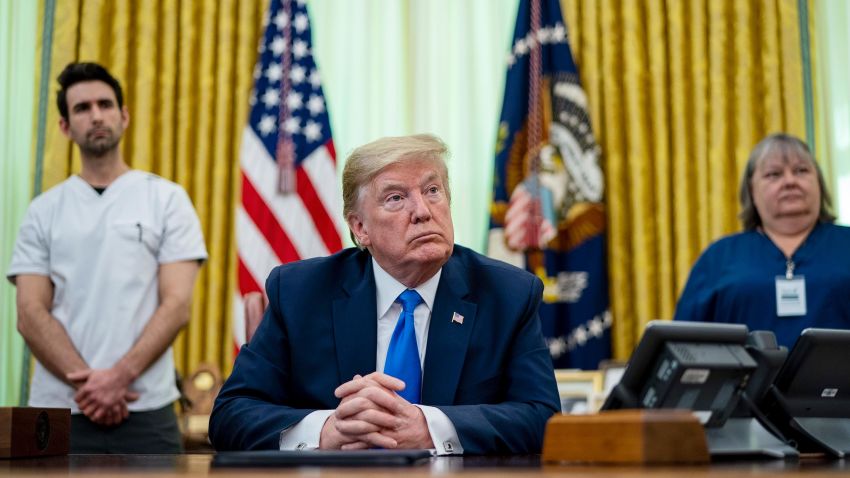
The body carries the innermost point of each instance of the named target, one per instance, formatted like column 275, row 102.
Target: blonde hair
column 365, row 162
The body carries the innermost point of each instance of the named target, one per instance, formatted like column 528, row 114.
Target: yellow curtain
column 186, row 68
column 679, row 92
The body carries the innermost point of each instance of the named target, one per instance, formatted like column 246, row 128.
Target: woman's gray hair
column 365, row 162
column 784, row 145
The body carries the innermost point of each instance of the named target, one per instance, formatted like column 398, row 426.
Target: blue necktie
column 403, row 354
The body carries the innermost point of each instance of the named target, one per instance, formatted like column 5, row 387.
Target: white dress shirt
column 306, row 433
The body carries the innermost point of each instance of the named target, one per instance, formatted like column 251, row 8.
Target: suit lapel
column 447, row 339
column 355, row 323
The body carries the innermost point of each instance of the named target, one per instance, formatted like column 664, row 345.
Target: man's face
column 785, row 186
column 95, row 122
column 404, row 220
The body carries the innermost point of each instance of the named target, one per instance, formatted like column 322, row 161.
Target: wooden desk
column 462, row 467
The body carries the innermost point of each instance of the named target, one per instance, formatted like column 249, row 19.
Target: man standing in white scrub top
column 105, row 264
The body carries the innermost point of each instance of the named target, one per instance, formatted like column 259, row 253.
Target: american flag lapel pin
column 457, row 318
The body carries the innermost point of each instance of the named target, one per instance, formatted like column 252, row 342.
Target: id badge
column 790, row 296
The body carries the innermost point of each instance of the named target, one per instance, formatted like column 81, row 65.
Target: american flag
column 290, row 206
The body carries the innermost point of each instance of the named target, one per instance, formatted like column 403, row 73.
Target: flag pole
column 534, row 130
column 285, row 151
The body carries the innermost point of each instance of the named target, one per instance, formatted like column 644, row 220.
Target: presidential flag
column 290, row 206
column 548, row 214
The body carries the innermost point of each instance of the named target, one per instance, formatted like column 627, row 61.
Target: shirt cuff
column 442, row 430
column 305, row 435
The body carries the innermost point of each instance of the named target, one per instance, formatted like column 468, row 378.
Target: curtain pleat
column 186, row 69
column 658, row 118
column 685, row 26
column 679, row 93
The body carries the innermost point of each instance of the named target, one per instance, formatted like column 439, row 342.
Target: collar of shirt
column 387, row 291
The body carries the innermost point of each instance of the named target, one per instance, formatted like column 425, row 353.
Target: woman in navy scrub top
column 790, row 268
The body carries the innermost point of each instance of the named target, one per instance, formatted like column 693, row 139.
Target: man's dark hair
column 78, row 72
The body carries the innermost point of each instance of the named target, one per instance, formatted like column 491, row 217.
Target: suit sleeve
column 516, row 425
column 252, row 408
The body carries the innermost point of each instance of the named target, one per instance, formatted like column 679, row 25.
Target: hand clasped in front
column 372, row 415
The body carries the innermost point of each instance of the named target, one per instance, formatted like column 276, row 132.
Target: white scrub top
column 102, row 253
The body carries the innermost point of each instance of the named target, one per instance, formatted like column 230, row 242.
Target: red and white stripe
column 274, row 228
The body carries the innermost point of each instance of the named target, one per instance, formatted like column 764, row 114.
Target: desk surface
column 468, row 467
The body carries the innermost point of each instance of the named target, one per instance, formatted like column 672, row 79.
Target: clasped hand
column 102, row 395
column 371, row 414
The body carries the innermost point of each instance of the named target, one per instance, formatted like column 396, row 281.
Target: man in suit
column 407, row 341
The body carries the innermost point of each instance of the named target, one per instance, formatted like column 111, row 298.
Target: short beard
column 99, row 148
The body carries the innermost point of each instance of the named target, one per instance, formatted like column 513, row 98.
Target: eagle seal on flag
column 548, row 214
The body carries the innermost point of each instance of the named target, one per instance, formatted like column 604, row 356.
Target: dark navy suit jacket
column 491, row 375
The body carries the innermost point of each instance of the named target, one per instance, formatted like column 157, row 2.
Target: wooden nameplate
column 626, row 437
column 28, row 431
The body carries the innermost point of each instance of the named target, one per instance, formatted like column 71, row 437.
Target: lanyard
column 789, row 269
